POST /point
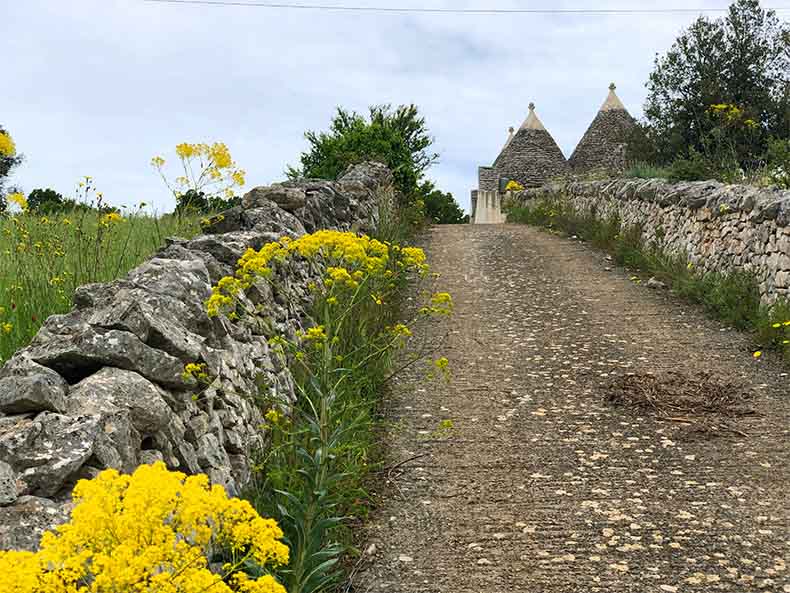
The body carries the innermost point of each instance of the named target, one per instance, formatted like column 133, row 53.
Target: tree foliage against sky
column 742, row 59
column 397, row 137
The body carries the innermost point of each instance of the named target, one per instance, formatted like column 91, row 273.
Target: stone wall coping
column 758, row 204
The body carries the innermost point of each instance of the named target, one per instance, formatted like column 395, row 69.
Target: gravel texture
column 544, row 486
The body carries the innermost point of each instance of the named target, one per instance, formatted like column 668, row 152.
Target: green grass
column 646, row 171
column 43, row 259
column 732, row 298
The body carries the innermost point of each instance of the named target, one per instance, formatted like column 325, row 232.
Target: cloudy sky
column 97, row 87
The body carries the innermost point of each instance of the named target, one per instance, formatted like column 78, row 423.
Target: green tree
column 742, row 59
column 47, row 201
column 197, row 202
column 440, row 207
column 399, row 138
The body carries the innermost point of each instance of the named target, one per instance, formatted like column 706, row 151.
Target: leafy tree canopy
column 397, row 137
column 47, row 201
column 742, row 59
column 441, row 207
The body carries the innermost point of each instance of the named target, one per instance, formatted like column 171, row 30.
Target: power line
column 469, row 11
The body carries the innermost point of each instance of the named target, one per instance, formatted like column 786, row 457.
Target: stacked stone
column 717, row 227
column 531, row 156
column 602, row 148
column 103, row 386
column 486, row 179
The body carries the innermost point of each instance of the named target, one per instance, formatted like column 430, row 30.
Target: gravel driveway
column 541, row 485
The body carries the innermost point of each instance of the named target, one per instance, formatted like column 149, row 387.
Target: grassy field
column 44, row 258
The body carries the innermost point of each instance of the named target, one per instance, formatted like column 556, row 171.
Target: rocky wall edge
column 103, row 385
column 719, row 227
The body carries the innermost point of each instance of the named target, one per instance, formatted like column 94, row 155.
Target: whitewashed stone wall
column 719, row 227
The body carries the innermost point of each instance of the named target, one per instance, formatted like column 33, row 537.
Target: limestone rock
column 112, row 389
column 47, row 449
column 8, row 492
column 287, row 198
column 26, row 386
column 23, row 523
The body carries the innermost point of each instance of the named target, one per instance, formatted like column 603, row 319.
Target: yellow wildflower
column 18, row 198
column 7, row 146
column 315, row 334
column 7, row 328
column 186, row 150
column 274, row 416
column 197, row 371
column 110, row 218
column 151, row 530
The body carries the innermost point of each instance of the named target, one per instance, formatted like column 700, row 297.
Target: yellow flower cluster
column 514, row 185
column 350, row 258
column 197, row 371
column 274, row 416
column 19, row 199
column 732, row 114
column 315, row 334
column 7, row 146
column 441, row 304
column 154, row 530
column 400, row 330
column 110, row 218
column 215, row 172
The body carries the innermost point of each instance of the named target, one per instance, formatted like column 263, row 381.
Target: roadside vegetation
column 718, row 103
column 732, row 298
column 312, row 479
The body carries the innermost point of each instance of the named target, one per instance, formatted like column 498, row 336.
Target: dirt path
column 542, row 486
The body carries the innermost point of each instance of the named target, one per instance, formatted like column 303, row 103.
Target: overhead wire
column 467, row 11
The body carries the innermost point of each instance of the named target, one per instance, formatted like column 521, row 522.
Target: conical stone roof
column 531, row 156
column 602, row 148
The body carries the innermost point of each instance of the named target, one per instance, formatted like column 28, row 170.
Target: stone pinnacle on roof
column 612, row 101
column 510, row 133
column 532, row 122
column 603, row 145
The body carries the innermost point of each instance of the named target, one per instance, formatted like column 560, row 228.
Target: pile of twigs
column 701, row 400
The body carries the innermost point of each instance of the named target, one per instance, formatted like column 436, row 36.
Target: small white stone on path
column 484, row 561
column 403, row 558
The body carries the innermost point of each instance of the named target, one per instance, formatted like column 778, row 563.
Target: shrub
column 154, row 530
column 196, row 202
column 48, row 201
column 779, row 162
column 513, row 185
column 311, row 478
column 644, row 170
column 692, row 168
column 398, row 138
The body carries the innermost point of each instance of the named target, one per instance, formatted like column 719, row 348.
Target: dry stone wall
column 103, row 386
column 718, row 227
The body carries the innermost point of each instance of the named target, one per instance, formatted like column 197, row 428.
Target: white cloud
column 97, row 87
